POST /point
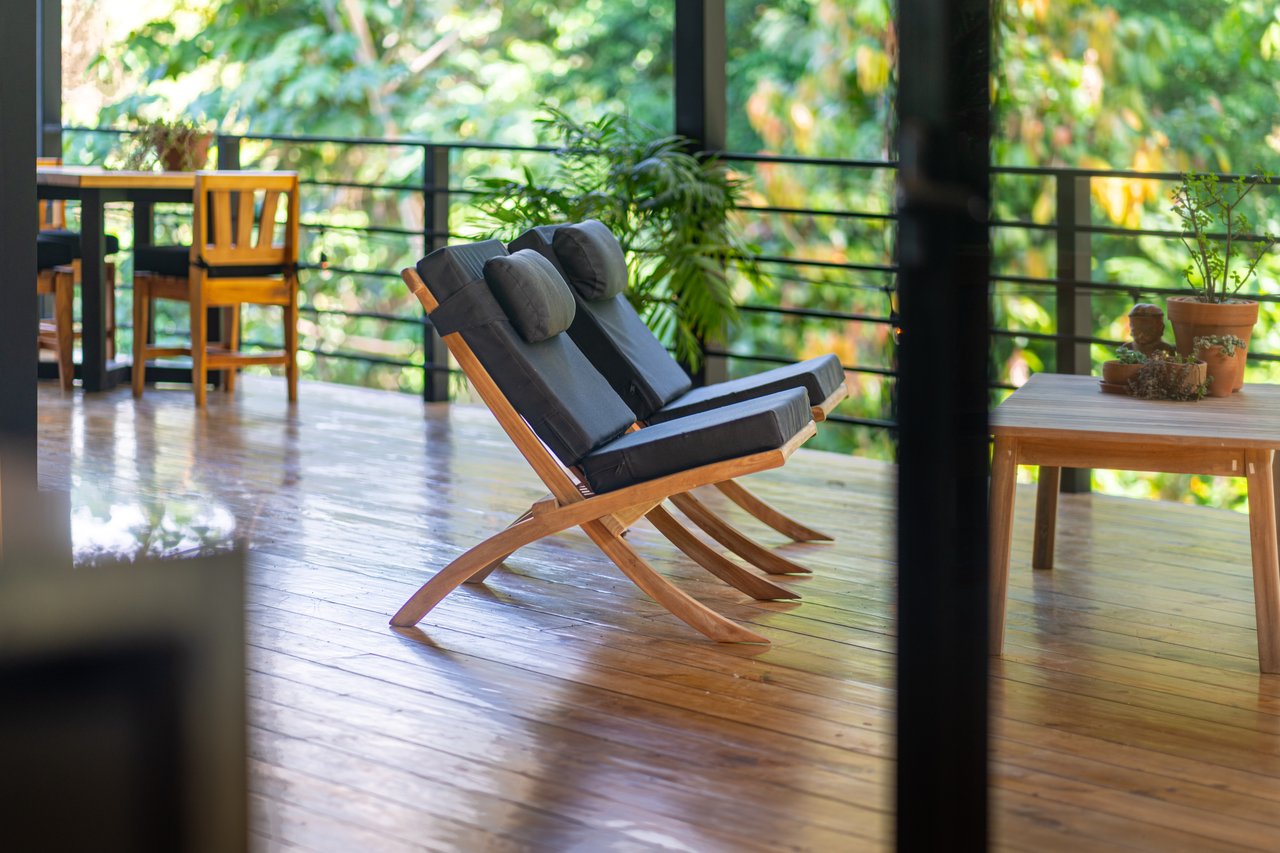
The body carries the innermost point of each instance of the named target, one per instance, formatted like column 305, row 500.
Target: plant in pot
column 1174, row 377
column 1121, row 370
column 176, row 146
column 1219, row 353
column 1218, row 234
column 669, row 209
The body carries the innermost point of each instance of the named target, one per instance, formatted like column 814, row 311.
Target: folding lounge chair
column 611, row 334
column 504, row 318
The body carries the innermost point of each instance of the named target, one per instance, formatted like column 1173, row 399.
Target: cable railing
column 438, row 191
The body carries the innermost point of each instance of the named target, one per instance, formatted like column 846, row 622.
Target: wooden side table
column 1057, row 421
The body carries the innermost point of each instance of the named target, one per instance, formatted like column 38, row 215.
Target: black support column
column 943, row 141
column 49, row 77
column 702, row 102
column 18, row 316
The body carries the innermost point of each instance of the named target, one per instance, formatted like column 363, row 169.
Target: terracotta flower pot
column 1225, row 371
column 1192, row 319
column 174, row 158
column 1116, row 376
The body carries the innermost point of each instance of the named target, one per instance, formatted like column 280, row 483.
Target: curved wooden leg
column 721, row 531
column 784, row 524
column 482, row 575
column 492, row 550
column 693, row 613
column 729, row 572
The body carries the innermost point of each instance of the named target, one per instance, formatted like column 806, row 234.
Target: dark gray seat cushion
column 566, row 401
column 752, row 426
column 618, row 343
column 72, row 239
column 592, row 259
column 818, row 377
column 176, row 261
column 531, row 292
column 52, row 253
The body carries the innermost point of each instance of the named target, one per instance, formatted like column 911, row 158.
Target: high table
column 94, row 187
column 1058, row 421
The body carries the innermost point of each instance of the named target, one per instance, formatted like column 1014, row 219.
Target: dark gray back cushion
column 611, row 334
column 528, row 287
column 567, row 403
column 592, row 259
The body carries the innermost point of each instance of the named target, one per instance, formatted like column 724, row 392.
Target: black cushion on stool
column 752, row 426
column 52, row 253
column 176, row 261
column 72, row 238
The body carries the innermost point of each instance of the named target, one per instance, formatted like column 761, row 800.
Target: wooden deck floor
column 559, row 709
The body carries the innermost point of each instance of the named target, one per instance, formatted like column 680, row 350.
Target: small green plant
column 1168, row 378
column 1216, row 230
column 1124, row 355
column 1227, row 342
column 179, row 145
column 670, row 210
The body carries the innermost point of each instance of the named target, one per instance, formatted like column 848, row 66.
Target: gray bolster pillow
column 532, row 293
column 592, row 259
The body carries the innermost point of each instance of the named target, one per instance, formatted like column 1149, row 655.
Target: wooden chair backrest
column 50, row 214
column 521, row 434
column 243, row 228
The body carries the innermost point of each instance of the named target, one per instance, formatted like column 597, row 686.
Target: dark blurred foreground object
column 122, row 707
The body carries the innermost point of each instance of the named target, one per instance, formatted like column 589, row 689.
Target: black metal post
column 702, row 105
column 435, row 234
column 49, row 77
column 18, row 312
column 944, row 251
column 1074, row 308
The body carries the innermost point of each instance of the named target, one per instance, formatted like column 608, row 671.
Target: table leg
column 1004, row 477
column 93, row 296
column 1046, row 516
column 1266, row 563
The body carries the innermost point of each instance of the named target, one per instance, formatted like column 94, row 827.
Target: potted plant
column 1121, row 370
column 1174, row 377
column 669, row 208
column 1218, row 235
column 177, row 146
column 1223, row 356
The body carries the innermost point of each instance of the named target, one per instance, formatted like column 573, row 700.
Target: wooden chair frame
column 233, row 244
column 603, row 517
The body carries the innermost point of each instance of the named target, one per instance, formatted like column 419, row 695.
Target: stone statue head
column 1146, row 323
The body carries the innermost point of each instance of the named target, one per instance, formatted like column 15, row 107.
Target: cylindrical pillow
column 592, row 259
column 533, row 295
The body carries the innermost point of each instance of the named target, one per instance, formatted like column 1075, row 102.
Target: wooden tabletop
column 96, row 177
column 1053, row 405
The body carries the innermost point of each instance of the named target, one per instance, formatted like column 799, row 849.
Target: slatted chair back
column 51, row 214
column 239, row 215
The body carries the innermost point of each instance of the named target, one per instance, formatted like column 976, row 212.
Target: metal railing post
column 1073, row 304
column 435, row 234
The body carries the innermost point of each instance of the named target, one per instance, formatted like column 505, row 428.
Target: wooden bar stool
column 239, row 261
column 54, row 278
column 52, row 223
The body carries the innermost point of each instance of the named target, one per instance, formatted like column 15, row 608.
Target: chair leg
column 729, row 572
column 141, row 319
column 199, row 339
column 693, row 613
column 784, row 524
column 110, row 329
column 483, row 574
column 489, row 552
column 724, row 533
column 233, row 344
column 291, row 341
column 63, row 296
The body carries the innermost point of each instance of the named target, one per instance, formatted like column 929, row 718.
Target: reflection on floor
column 557, row 708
